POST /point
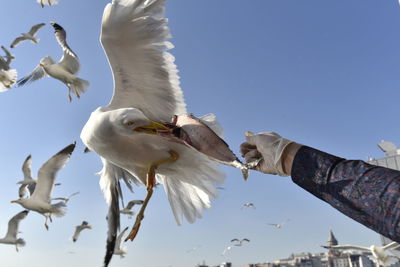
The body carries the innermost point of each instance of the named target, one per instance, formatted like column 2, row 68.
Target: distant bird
column 8, row 78
column 138, row 135
column 226, row 250
column 40, row 200
column 220, row 188
column 193, row 249
column 28, row 36
column 5, row 61
column 379, row 253
column 28, row 183
column 65, row 199
column 47, row 2
column 78, row 229
column 278, row 225
column 12, row 231
column 64, row 70
column 127, row 209
column 119, row 249
column 238, row 242
column 248, row 205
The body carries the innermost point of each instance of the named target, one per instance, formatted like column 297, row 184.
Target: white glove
column 267, row 148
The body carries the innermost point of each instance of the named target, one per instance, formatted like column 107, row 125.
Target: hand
column 269, row 148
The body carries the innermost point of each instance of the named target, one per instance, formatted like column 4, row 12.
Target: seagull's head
column 46, row 61
column 132, row 120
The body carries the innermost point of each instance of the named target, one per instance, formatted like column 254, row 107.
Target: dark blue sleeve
column 364, row 192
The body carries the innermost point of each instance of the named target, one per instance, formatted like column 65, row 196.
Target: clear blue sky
column 323, row 73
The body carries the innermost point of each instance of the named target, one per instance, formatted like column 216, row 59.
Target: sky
column 322, row 73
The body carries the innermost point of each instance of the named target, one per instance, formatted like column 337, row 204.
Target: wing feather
column 17, row 41
column 13, row 224
column 47, row 173
column 35, row 28
column 135, row 38
column 37, row 73
column 26, row 168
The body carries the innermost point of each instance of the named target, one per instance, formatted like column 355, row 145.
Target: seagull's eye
column 129, row 123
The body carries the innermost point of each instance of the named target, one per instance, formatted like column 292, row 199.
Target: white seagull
column 379, row 253
column 248, row 205
column 226, row 250
column 64, row 70
column 133, row 134
column 278, row 225
column 47, row 2
column 129, row 206
column 78, row 229
column 12, row 231
column 5, row 61
column 119, row 249
column 28, row 36
column 239, row 242
column 40, row 200
column 28, row 183
column 8, row 78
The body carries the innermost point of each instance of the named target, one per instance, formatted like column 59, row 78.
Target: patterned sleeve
column 364, row 192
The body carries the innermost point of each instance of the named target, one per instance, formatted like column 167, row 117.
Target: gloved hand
column 268, row 147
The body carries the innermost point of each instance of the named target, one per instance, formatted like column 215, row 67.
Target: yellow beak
column 13, row 201
column 151, row 128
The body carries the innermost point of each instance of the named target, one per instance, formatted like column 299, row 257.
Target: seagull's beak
column 14, row 201
column 151, row 128
column 41, row 65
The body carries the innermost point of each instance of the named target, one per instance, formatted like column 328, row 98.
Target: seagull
column 379, row 253
column 238, row 242
column 28, row 183
column 8, row 78
column 47, row 2
column 226, row 250
column 28, row 36
column 40, row 200
column 193, row 249
column 65, row 199
column 248, row 205
column 64, row 70
column 127, row 209
column 119, row 249
column 5, row 63
column 13, row 225
column 144, row 134
column 78, row 229
column 278, row 225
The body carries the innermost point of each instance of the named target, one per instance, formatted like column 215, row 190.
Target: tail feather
column 59, row 209
column 7, row 79
column 80, row 85
column 21, row 242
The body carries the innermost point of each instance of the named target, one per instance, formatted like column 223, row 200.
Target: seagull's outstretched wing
column 13, row 224
column 27, row 168
column 392, row 245
column 132, row 203
column 8, row 56
column 37, row 73
column 134, row 35
column 35, row 28
column 69, row 60
column 17, row 41
column 47, row 173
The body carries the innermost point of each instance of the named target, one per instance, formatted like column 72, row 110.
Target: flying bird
column 129, row 206
column 65, row 199
column 8, row 78
column 12, row 231
column 119, row 249
column 248, row 205
column 47, row 2
column 5, row 61
column 78, row 229
column 278, row 225
column 28, row 36
column 28, row 184
column 239, row 242
column 40, row 200
column 226, row 250
column 64, row 70
column 139, row 135
column 379, row 253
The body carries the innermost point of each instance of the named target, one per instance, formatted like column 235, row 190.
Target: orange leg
column 151, row 182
